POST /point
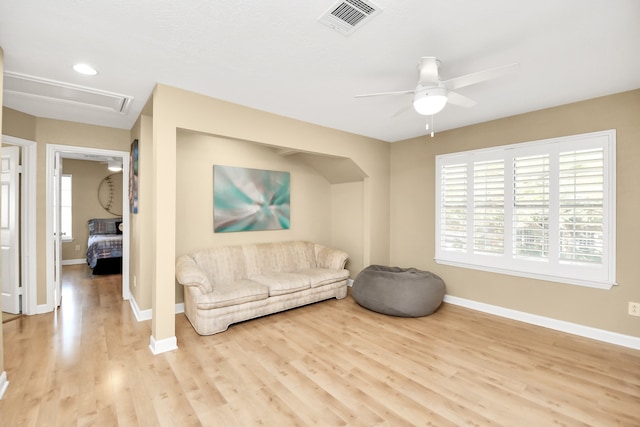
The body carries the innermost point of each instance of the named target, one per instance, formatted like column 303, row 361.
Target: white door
column 9, row 236
column 57, row 234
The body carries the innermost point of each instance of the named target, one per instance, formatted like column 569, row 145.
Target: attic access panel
column 36, row 87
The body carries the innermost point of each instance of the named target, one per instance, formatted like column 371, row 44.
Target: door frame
column 11, row 256
column 73, row 152
column 28, row 252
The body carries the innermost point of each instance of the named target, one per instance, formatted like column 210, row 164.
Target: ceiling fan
column 432, row 94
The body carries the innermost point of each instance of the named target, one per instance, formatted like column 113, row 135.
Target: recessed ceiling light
column 85, row 69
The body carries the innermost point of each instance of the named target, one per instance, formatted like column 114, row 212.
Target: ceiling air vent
column 36, row 87
column 349, row 15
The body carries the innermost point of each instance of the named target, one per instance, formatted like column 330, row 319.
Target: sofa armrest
column 189, row 274
column 334, row 259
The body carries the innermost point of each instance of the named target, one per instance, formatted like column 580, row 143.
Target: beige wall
column 19, row 124
column 48, row 131
column 86, row 177
column 175, row 109
column 195, row 157
column 141, row 280
column 347, row 213
column 413, row 212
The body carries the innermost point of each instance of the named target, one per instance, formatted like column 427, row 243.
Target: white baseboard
column 547, row 322
column 4, row 383
column 163, row 345
column 43, row 308
column 350, row 282
column 73, row 261
column 142, row 315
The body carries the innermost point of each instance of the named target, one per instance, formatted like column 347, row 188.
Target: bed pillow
column 103, row 225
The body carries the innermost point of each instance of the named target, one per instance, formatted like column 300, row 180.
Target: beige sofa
column 225, row 285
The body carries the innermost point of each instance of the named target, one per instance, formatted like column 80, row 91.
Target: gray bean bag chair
column 405, row 292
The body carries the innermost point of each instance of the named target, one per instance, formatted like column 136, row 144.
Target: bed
column 104, row 248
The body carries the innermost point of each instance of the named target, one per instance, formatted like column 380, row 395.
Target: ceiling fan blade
column 461, row 100
column 480, row 76
column 428, row 71
column 400, row 92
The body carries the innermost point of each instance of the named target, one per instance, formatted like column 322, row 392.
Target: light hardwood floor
column 332, row 363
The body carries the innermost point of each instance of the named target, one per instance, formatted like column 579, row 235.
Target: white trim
column 28, row 218
column 51, row 151
column 42, row 308
column 74, row 261
column 142, row 315
column 162, row 346
column 4, row 384
column 538, row 276
column 547, row 322
column 551, row 266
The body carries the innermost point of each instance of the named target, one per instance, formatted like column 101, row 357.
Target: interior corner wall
column 140, row 271
column 193, row 112
column 175, row 109
column 412, row 204
column 196, row 154
column 347, row 215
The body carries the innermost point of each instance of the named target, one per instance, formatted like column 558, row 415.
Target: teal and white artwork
column 250, row 199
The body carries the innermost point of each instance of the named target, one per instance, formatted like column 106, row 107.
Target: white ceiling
column 275, row 56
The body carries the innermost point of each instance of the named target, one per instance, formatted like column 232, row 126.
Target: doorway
column 26, row 287
column 55, row 156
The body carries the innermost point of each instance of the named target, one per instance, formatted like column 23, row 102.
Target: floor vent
column 349, row 15
column 29, row 86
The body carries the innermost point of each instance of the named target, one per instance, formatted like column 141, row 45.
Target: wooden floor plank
column 330, row 364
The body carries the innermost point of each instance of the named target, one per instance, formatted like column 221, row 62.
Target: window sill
column 565, row 280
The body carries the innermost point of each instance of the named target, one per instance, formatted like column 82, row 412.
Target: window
column 65, row 208
column 543, row 209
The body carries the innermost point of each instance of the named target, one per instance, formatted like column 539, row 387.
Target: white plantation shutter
column 531, row 206
column 488, row 207
column 453, row 208
column 581, row 206
column 543, row 209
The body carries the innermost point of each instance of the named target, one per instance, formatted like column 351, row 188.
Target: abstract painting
column 250, row 199
column 133, row 178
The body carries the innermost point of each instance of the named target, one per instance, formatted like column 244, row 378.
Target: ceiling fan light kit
column 430, row 101
column 432, row 93
column 114, row 166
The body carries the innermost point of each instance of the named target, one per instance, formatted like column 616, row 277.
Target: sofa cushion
column 232, row 293
column 222, row 264
column 278, row 256
column 280, row 283
column 323, row 276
